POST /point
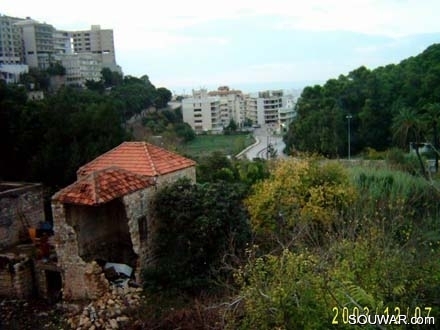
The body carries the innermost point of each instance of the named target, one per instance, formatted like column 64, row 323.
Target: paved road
column 265, row 137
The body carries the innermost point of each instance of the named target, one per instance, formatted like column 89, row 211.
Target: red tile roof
column 102, row 186
column 138, row 157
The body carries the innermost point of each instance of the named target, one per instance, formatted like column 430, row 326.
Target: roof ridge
column 150, row 159
column 95, row 187
column 96, row 159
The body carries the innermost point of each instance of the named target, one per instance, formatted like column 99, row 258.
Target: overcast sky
column 247, row 43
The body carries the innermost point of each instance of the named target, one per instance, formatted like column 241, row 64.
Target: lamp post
column 349, row 116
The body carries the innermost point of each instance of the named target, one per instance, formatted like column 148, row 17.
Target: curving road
column 264, row 137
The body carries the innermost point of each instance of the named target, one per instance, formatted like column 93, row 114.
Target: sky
column 247, row 44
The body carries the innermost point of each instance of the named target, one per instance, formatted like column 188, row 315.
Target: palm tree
column 406, row 127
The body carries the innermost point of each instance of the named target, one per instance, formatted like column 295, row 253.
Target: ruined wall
column 21, row 206
column 137, row 207
column 16, row 279
column 140, row 220
column 81, row 280
column 102, row 232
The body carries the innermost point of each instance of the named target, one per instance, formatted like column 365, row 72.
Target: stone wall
column 16, row 277
column 21, row 206
column 81, row 280
column 189, row 172
column 137, row 207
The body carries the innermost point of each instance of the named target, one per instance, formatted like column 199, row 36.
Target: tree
column 110, row 78
column 406, row 127
column 56, row 69
column 200, row 229
column 163, row 96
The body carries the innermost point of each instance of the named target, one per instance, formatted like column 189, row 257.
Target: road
column 264, row 137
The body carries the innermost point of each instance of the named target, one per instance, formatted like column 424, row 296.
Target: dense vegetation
column 389, row 106
column 47, row 140
column 308, row 244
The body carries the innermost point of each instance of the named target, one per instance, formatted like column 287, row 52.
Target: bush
column 200, row 230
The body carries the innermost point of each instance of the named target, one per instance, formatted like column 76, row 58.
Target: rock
column 122, row 319
column 114, row 324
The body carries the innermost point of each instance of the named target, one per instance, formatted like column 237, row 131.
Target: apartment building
column 11, row 50
column 80, row 68
column 271, row 108
column 214, row 110
column 202, row 112
column 99, row 42
column 62, row 42
column 25, row 43
column 37, row 41
column 232, row 105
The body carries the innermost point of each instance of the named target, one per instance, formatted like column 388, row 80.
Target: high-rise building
column 25, row 43
column 38, row 45
column 99, row 42
column 62, row 42
column 11, row 50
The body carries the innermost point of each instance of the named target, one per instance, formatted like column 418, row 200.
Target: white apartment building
column 271, row 108
column 202, row 112
column 37, row 41
column 81, row 67
column 11, row 50
column 99, row 42
column 232, row 105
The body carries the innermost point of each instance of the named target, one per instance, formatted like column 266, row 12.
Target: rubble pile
column 109, row 311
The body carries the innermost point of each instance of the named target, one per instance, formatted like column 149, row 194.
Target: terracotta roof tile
column 138, row 157
column 102, row 186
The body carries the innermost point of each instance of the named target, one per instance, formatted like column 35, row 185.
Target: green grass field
column 204, row 145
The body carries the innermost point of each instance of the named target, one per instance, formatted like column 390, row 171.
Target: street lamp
column 349, row 116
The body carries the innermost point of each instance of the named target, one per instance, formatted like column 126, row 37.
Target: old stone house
column 21, row 208
column 104, row 217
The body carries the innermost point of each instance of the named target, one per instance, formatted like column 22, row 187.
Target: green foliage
column 391, row 225
column 163, row 96
column 56, row 69
column 390, row 105
column 299, row 202
column 200, row 229
column 110, row 78
column 218, row 167
column 48, row 140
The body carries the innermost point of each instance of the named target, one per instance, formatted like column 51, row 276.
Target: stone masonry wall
column 189, row 172
column 81, row 280
column 137, row 207
column 16, row 278
column 21, row 207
